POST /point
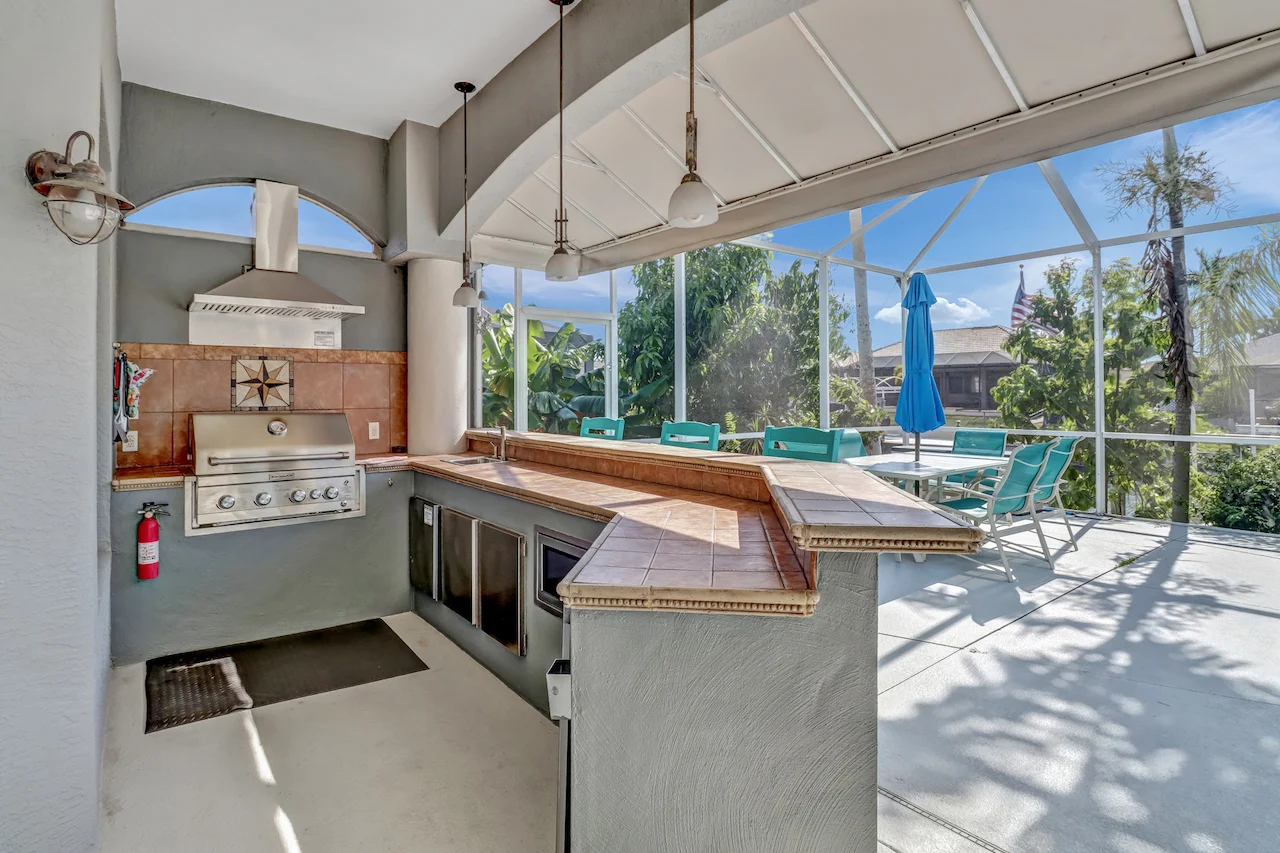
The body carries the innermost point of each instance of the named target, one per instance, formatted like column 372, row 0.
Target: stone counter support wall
column 709, row 733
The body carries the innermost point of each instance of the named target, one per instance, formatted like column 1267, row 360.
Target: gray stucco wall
column 159, row 273
column 51, row 661
column 696, row 733
column 173, row 142
column 525, row 675
column 250, row 585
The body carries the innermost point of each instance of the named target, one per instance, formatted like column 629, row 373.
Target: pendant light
column 466, row 295
column 692, row 204
column 563, row 265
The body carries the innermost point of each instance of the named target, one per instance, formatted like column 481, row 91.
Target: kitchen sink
column 476, row 460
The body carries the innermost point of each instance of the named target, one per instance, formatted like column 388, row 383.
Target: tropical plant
column 1168, row 183
column 1245, row 492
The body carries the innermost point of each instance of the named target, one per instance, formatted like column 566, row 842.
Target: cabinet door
column 422, row 546
column 457, row 551
column 501, row 567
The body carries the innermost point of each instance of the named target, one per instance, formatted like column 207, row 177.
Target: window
column 228, row 210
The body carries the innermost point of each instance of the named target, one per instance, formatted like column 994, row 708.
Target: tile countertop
column 687, row 530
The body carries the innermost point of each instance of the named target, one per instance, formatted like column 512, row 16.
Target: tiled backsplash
column 368, row 385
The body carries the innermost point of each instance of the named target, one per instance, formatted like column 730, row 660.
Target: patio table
column 931, row 467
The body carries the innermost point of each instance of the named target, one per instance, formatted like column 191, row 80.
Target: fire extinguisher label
column 148, row 552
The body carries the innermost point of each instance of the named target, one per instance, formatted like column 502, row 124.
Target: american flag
column 1021, row 302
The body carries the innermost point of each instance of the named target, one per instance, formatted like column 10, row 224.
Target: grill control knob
column 226, row 502
column 315, row 494
column 262, row 499
column 298, row 495
column 331, row 493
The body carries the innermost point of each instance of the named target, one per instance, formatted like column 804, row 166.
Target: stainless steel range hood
column 272, row 287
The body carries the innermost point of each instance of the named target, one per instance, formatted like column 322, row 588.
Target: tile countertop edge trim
column 962, row 538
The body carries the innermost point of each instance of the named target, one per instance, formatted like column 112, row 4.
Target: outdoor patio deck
column 1128, row 702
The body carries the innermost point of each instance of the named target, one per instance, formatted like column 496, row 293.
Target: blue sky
column 1014, row 211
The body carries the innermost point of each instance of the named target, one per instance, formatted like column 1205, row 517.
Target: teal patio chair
column 693, row 434
column 608, row 428
column 1013, row 492
column 815, row 445
column 851, row 445
column 978, row 442
column 1048, row 494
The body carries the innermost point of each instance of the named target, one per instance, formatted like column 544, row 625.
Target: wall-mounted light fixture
column 76, row 194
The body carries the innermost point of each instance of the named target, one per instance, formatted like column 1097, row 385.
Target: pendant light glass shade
column 466, row 297
column 692, row 204
column 564, row 265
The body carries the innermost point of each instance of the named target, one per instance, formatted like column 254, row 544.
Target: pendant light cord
column 563, row 224
column 466, row 224
column 691, row 60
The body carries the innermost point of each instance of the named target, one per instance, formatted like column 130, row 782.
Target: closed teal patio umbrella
column 919, row 404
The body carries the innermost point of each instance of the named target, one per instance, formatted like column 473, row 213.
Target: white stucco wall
column 437, row 357
column 52, row 652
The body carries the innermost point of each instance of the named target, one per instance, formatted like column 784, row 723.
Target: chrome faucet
column 499, row 446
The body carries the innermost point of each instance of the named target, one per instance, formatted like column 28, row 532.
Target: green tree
column 1168, row 183
column 1053, row 384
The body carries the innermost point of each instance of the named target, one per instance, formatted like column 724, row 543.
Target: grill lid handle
column 298, row 457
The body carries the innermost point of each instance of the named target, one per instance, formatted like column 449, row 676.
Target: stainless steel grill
column 266, row 469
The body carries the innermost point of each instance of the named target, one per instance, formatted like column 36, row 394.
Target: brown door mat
column 199, row 685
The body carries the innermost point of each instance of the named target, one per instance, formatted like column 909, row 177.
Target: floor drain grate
column 942, row 821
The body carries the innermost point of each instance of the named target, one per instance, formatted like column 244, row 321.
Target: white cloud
column 1243, row 146
column 962, row 312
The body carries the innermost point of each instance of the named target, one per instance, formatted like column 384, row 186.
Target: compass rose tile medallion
column 260, row 384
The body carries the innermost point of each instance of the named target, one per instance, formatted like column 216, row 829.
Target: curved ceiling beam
column 615, row 49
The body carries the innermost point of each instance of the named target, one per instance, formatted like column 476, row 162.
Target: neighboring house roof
column 966, row 347
column 1264, row 352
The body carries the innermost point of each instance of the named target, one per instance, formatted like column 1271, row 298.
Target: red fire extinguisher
column 149, row 540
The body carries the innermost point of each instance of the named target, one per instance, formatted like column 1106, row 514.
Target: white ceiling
column 919, row 67
column 363, row 66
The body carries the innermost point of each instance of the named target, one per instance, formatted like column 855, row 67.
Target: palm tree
column 1170, row 183
column 1232, row 296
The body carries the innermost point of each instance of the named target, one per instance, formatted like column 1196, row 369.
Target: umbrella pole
column 917, row 460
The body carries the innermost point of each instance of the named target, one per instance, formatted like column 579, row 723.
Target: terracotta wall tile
column 156, row 394
column 399, row 428
column 330, row 355
column 202, row 386
column 398, row 385
column 155, row 442
column 366, row 386
column 181, row 438
column 399, row 357
column 317, row 386
column 169, row 351
column 359, row 420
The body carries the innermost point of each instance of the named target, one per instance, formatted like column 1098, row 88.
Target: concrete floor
column 1103, row 707
column 1100, row 707
column 445, row 760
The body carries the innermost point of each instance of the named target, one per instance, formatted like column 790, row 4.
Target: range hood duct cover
column 273, row 287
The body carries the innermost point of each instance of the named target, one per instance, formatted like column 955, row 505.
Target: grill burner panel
column 267, row 469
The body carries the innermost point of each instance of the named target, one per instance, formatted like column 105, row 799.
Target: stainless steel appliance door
column 457, row 559
column 501, row 584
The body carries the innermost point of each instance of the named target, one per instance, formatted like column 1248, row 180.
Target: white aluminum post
column 611, row 351
column 1099, row 391
column 520, row 405
column 477, row 361
column 1253, row 416
column 681, row 413
column 824, row 344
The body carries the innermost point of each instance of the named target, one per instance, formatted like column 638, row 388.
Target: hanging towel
column 120, row 383
column 137, row 376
